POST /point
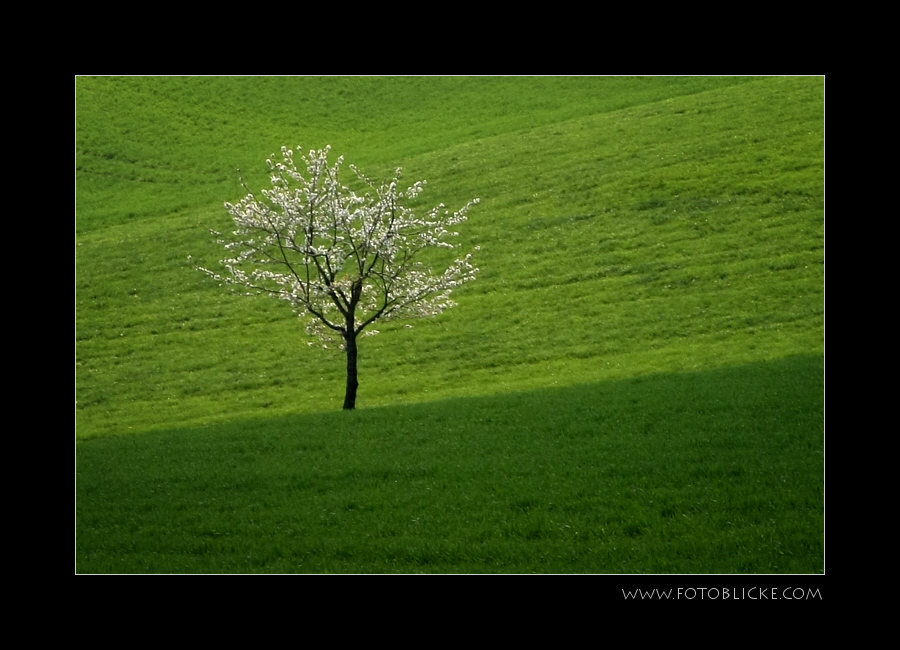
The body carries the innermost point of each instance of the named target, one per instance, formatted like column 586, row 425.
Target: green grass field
column 634, row 384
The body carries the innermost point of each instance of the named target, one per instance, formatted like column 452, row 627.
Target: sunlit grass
column 644, row 239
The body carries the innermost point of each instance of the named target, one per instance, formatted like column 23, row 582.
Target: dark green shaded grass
column 719, row 471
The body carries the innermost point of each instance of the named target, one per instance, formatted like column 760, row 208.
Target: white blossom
column 342, row 260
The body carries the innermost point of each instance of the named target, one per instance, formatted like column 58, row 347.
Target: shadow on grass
column 708, row 472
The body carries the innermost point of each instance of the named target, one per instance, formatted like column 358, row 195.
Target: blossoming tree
column 342, row 260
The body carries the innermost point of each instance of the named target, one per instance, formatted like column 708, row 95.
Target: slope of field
column 634, row 384
column 627, row 227
column 151, row 146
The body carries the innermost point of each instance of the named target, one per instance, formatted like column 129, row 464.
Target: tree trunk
column 352, row 383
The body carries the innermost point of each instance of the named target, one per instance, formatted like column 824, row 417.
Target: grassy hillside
column 634, row 383
column 627, row 226
column 148, row 146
